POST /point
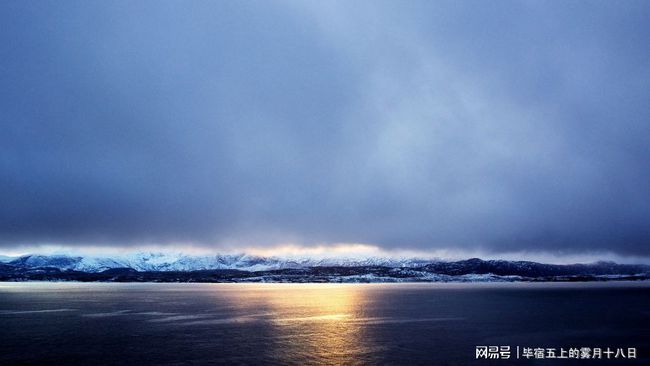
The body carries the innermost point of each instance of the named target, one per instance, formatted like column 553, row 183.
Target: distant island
column 158, row 267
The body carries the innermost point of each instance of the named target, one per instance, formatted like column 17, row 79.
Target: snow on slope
column 157, row 261
column 5, row 259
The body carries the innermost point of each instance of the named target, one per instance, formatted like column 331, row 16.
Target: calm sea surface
column 316, row 324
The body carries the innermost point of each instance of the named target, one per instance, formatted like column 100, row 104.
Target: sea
column 68, row 323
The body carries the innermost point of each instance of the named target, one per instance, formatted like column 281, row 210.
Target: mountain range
column 178, row 267
column 163, row 261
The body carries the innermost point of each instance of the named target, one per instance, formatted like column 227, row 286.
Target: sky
column 433, row 127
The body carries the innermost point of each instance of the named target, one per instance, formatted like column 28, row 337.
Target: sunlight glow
column 331, row 250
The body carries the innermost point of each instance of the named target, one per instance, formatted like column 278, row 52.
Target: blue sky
column 451, row 125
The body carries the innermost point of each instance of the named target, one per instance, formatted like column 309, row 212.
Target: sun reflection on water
column 322, row 320
column 319, row 323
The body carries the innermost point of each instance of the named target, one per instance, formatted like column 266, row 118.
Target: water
column 296, row 324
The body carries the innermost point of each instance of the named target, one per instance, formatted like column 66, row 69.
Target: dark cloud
column 496, row 126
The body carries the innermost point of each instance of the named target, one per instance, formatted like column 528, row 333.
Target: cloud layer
column 501, row 127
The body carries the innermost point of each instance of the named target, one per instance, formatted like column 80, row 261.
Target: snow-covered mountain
column 179, row 267
column 157, row 261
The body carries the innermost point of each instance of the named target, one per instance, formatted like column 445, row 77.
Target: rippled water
column 364, row 324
